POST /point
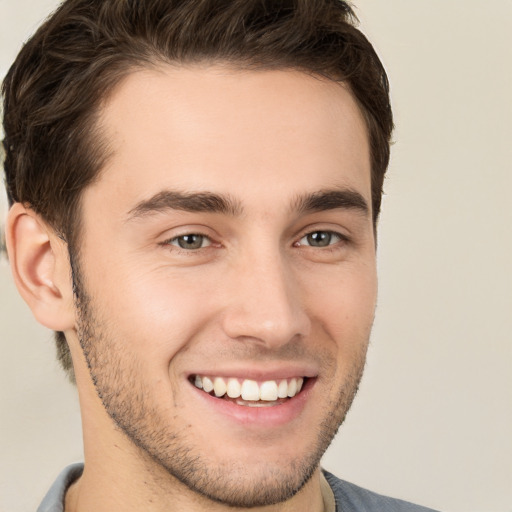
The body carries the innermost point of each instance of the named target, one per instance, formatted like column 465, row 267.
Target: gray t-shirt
column 348, row 497
column 352, row 498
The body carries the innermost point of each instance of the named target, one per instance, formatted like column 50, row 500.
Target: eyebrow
column 210, row 202
column 331, row 200
column 185, row 201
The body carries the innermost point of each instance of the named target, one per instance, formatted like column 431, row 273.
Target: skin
column 258, row 297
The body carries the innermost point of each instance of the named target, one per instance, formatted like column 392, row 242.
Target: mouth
column 250, row 393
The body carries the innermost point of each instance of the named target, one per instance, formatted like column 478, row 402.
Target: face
column 226, row 282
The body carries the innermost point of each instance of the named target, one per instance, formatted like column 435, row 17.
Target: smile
column 250, row 392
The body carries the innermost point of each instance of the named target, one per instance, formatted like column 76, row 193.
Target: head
column 59, row 96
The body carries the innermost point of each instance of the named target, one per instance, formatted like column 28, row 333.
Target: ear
column 40, row 267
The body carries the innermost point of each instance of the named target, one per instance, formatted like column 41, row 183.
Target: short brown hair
column 65, row 72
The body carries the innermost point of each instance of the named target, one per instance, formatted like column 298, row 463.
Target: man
column 194, row 189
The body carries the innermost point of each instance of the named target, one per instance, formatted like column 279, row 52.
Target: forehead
column 232, row 131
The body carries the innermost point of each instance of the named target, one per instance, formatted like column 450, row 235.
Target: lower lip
column 270, row 416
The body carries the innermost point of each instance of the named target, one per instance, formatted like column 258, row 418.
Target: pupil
column 319, row 239
column 190, row 241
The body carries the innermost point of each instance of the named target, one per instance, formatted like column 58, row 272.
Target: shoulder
column 54, row 499
column 352, row 498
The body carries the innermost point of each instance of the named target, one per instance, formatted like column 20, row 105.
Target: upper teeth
column 268, row 390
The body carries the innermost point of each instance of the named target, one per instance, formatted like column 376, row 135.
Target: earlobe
column 40, row 268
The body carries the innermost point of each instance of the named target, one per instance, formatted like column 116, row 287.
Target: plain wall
column 433, row 419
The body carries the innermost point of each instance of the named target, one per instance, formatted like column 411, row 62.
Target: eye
column 190, row 241
column 320, row 239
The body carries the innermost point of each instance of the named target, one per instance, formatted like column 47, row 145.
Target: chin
column 250, row 485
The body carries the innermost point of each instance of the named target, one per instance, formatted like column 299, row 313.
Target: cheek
column 152, row 315
column 344, row 305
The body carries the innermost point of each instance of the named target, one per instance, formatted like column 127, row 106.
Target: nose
column 265, row 303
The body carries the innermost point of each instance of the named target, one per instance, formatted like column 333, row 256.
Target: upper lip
column 271, row 371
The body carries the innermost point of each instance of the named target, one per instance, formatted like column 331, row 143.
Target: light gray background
column 433, row 420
